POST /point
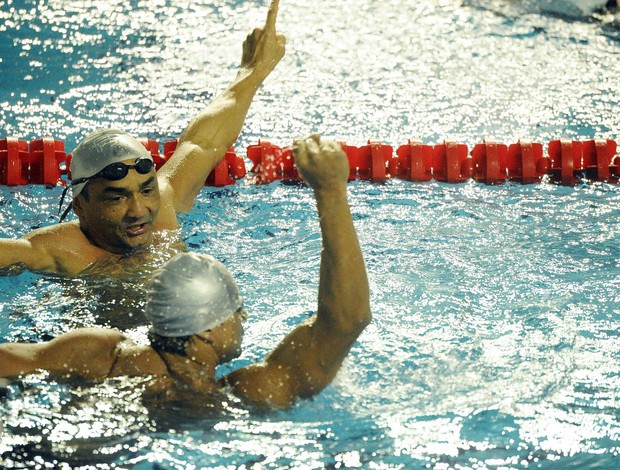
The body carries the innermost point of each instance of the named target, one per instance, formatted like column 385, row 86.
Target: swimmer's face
column 118, row 216
column 226, row 338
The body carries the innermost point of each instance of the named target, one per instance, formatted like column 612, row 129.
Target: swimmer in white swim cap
column 115, row 191
column 195, row 309
column 123, row 205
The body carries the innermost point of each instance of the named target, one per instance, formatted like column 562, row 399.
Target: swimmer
column 197, row 315
column 123, row 205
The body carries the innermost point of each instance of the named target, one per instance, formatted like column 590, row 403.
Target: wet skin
column 118, row 216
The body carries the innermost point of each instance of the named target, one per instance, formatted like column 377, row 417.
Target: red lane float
column 14, row 157
column 415, row 161
column 44, row 161
column 489, row 162
column 565, row 157
column 451, row 163
column 598, row 156
column 372, row 162
column 271, row 163
column 526, row 163
column 46, row 157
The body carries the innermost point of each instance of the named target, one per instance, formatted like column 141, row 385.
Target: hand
column 322, row 164
column 263, row 48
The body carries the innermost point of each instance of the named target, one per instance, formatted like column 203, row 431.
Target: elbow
column 357, row 323
column 365, row 319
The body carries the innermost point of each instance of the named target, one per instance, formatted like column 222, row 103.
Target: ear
column 78, row 208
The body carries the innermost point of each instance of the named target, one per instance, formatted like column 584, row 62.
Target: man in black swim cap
column 197, row 318
column 122, row 204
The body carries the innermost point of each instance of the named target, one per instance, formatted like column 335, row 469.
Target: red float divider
column 271, row 163
column 566, row 159
column 375, row 160
column 614, row 169
column 598, row 155
column 46, row 156
column 489, row 162
column 415, row 161
column 352, row 155
column 13, row 161
column 526, row 162
column 229, row 169
column 153, row 147
column 451, row 163
column 289, row 169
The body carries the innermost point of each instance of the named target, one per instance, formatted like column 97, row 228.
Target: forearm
column 219, row 125
column 343, row 283
column 204, row 142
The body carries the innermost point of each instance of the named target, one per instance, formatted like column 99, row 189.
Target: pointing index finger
column 272, row 14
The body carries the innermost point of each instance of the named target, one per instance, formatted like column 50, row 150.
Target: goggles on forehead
column 117, row 171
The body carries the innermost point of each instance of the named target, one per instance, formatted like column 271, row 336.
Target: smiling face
column 118, row 216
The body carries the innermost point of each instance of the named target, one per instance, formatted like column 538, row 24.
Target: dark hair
column 169, row 344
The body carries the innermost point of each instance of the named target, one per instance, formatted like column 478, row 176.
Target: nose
column 138, row 207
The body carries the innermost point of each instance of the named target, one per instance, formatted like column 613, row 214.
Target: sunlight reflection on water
column 494, row 341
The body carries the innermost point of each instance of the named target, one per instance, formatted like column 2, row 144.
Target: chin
column 136, row 243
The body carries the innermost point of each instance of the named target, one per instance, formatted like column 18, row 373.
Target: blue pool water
column 496, row 333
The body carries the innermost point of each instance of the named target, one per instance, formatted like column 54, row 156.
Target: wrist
column 252, row 74
column 331, row 192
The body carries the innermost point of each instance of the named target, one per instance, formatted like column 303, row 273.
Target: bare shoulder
column 97, row 339
column 263, row 385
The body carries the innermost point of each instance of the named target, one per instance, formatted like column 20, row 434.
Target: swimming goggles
column 117, row 171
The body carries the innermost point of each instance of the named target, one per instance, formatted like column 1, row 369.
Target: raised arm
column 307, row 360
column 87, row 352
column 207, row 137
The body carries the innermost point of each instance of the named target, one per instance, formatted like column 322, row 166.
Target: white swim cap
column 191, row 293
column 100, row 149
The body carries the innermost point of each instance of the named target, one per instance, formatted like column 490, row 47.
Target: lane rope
column 44, row 161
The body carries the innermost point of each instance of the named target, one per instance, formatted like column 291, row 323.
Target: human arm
column 307, row 360
column 204, row 142
column 85, row 352
column 20, row 254
column 61, row 249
